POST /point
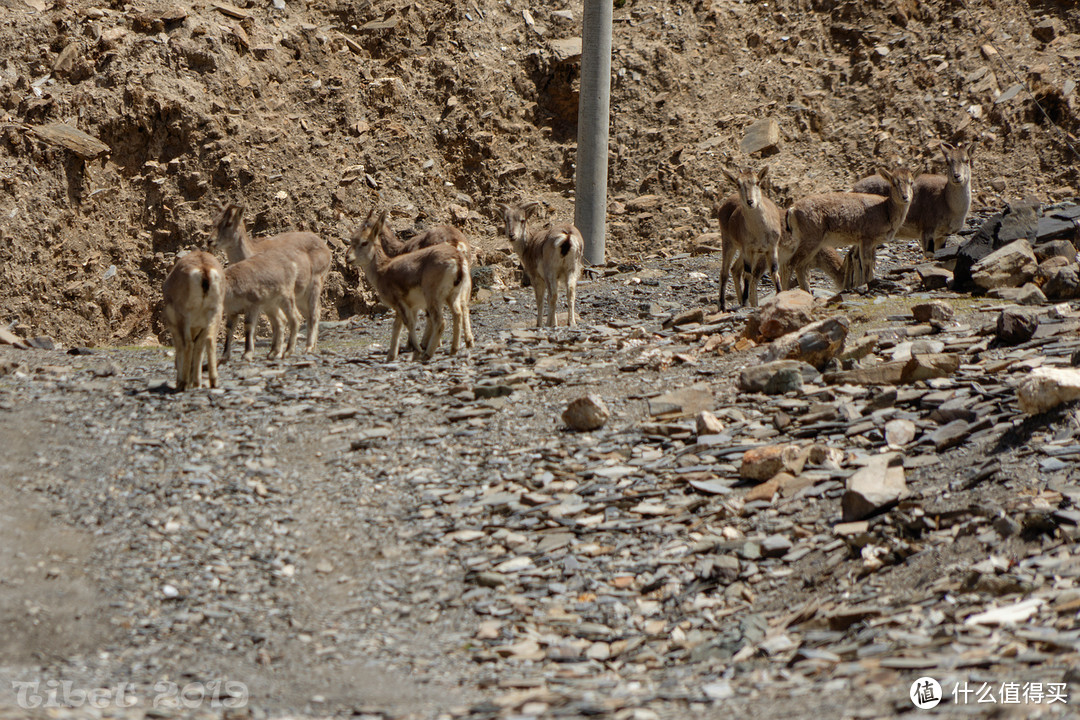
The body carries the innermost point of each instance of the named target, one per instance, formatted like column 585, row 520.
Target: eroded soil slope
column 311, row 114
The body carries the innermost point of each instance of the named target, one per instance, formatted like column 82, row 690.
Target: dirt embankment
column 312, row 114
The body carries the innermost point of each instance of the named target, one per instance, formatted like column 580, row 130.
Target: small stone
column 764, row 463
column 899, row 433
column 873, row 488
column 586, row 413
column 933, row 311
column 708, row 424
column 1045, row 388
column 775, row 546
column 720, row 690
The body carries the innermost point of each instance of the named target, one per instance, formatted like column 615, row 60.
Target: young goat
column 549, row 256
column 858, row 219
column 427, row 278
column 752, row 224
column 940, row 203
column 264, row 283
column 194, row 292
column 438, row 235
column 309, row 252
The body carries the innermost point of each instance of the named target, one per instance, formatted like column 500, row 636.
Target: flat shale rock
column 685, row 402
column 1045, row 388
column 776, row 378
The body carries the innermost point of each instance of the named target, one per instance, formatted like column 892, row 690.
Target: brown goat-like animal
column 194, row 294
column 427, row 278
column 549, row 256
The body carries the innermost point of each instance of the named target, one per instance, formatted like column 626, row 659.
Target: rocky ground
column 334, row 535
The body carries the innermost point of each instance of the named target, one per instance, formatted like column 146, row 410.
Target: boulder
column 816, row 344
column 783, row 313
column 1055, row 248
column 1019, row 220
column 1011, row 266
column 586, row 413
column 933, row 277
column 1059, row 282
column 1047, row 387
column 1016, row 325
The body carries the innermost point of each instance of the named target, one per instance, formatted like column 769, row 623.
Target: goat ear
column 762, row 173
column 971, row 148
column 884, row 172
column 731, row 178
column 503, row 208
column 382, row 219
column 530, row 208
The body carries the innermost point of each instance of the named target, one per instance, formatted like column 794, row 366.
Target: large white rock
column 1047, row 387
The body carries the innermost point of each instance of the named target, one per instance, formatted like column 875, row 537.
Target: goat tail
column 462, row 268
column 565, row 243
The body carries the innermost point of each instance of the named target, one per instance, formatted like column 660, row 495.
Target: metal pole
column 590, row 208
